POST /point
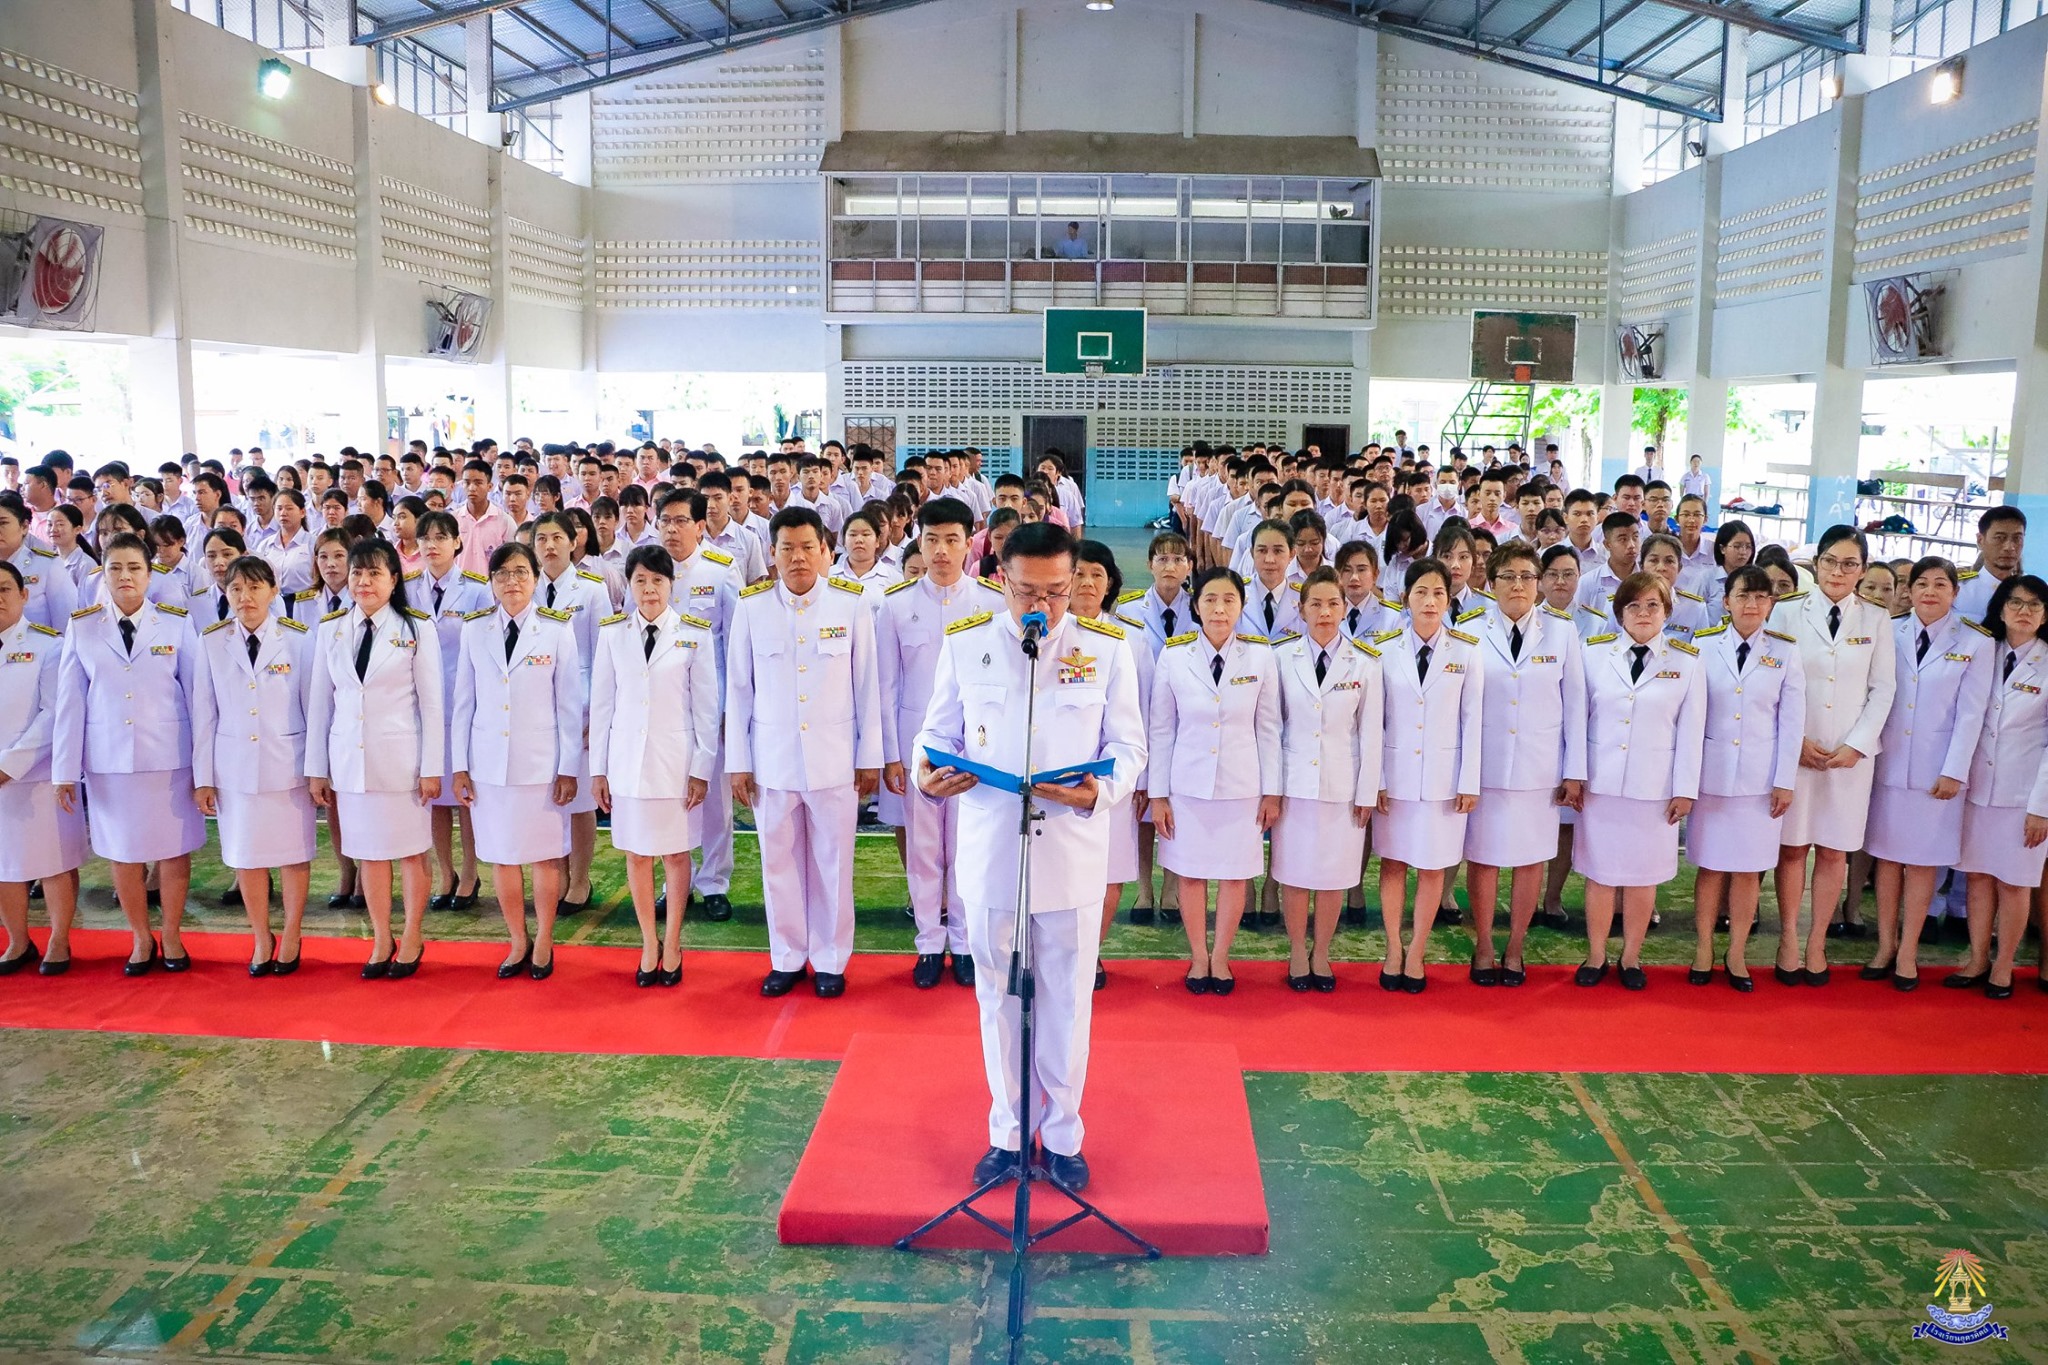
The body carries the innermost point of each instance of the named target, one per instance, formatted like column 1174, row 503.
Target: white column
column 1865, row 71
column 576, row 132
column 1360, row 415
column 363, row 399
column 160, row 365
column 482, row 124
column 493, row 381
column 1838, row 389
column 1617, row 425
column 1367, row 89
column 1726, row 135
column 340, row 57
column 2026, row 467
column 1706, row 410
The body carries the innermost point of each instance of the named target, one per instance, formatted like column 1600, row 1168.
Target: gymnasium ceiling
column 1669, row 54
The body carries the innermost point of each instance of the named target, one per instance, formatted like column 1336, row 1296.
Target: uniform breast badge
column 1077, row 667
column 981, row 736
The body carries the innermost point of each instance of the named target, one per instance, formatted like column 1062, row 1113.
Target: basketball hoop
column 1523, row 372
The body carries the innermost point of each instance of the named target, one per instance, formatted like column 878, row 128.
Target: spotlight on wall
column 1947, row 84
column 1101, row 5
column 1697, row 149
column 383, row 93
column 1831, row 86
column 273, row 78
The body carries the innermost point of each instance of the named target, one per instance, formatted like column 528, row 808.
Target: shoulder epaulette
column 1968, row 574
column 1473, row 614
column 39, row 550
column 1133, row 595
column 416, row 614
column 334, row 615
column 1385, row 636
column 898, row 587
column 990, row 584
column 1461, row 635
column 87, row 611
column 1134, row 625
column 1602, row 639
column 980, row 618
column 1781, row 635
column 1710, row 630
column 175, row 611
column 1390, row 604
column 1287, row 639
column 1683, row 648
column 1553, row 611
column 289, row 624
column 1099, row 627
column 155, row 567
column 1793, row 596
column 479, row 614
column 1976, row 626
column 473, row 576
column 1363, row 648
column 1254, row 639
column 1901, row 614
column 593, row 577
column 696, row 621
column 308, row 595
column 39, row 628
column 717, row 556
column 555, row 614
column 762, row 586
column 93, row 572
column 1176, row 640
column 847, row 585
column 411, row 576
column 614, row 620
column 1485, row 594
column 1297, row 586
column 1693, row 596
column 217, row 625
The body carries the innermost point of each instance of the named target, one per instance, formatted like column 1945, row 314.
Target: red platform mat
column 907, row 1119
column 1849, row 1027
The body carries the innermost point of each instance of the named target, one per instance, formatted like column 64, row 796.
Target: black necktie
column 334, row 602
column 255, row 645
column 511, row 640
column 1514, row 642
column 1354, row 621
column 128, row 639
column 1269, row 613
column 220, row 606
column 1422, row 664
column 1741, row 656
column 1216, row 670
column 1322, row 665
column 551, row 594
column 647, row 646
column 2011, row 659
column 438, row 591
column 1834, row 620
column 1635, row 665
column 363, row 650
column 1920, row 650
column 1166, row 621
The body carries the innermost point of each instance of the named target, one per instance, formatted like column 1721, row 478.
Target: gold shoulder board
column 717, row 556
column 1710, row 630
column 1384, row 636
column 289, row 624
column 696, row 621
column 39, row 550
column 990, row 584
column 1461, row 635
column 1176, row 640
column 1781, row 635
column 898, row 587
column 847, row 585
column 175, row 611
column 1684, row 648
column 1131, row 596
column 554, row 614
column 39, row 628
column 478, row 615
column 217, row 625
column 762, row 586
column 593, row 577
column 1977, row 626
column 86, row 611
column 980, row 618
column 1364, row 648
column 1254, row 639
column 334, row 615
column 416, row 614
column 473, row 576
column 1560, row 615
column 1472, row 614
column 1602, row 639
column 614, row 620
column 1100, row 627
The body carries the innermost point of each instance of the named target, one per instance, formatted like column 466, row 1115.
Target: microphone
column 1034, row 624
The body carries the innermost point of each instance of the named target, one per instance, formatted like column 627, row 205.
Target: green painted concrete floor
column 224, row 1200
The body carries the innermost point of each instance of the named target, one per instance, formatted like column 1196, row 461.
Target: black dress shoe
column 376, row 971
column 1068, row 1172
column 232, row 896
column 1222, row 985
column 1635, row 978
column 1450, row 914
column 441, row 902
column 1413, row 985
column 996, row 1164
column 927, row 970
column 963, row 970
column 27, row 959
column 1101, row 976
column 569, row 907
column 718, row 907
column 1962, row 981
column 399, row 971
column 1905, row 983
column 661, row 902
column 280, row 967
column 829, row 985
column 1141, row 914
column 356, row 901
column 1483, row 976
column 1817, row 978
column 339, row 901
column 1744, row 983
column 1695, row 976
column 1324, row 982
column 181, row 963
column 459, row 901
column 35, row 891
column 1994, row 991
column 1390, row 981
column 672, row 976
column 541, row 971
column 1299, row 983
column 132, row 968
column 1514, row 976
column 781, row 983
column 508, row 970
column 1169, row 914
column 1197, row 985
column 260, row 968
column 1788, row 976
column 53, row 966
column 1871, row 971
column 1589, row 975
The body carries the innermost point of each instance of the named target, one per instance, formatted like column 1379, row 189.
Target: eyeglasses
column 1752, row 597
column 513, row 573
column 1018, row 594
column 675, row 523
column 1516, row 577
column 1836, row 564
column 2025, row 603
column 1641, row 609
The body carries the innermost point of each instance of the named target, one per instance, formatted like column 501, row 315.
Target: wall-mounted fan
column 456, row 325
column 1905, row 319
column 1640, row 349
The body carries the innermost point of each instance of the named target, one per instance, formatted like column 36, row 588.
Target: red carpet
column 1850, row 1027
column 904, row 1125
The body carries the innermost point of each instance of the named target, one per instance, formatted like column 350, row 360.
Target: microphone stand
column 1023, row 985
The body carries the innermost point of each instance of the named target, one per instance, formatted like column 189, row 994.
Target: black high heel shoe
column 508, row 970
column 1696, row 976
column 1222, row 985
column 266, row 966
column 461, row 901
column 1391, row 981
column 1873, row 971
column 1197, row 985
column 648, row 976
column 401, row 970
column 1788, row 976
column 132, row 968
column 28, row 958
column 1744, row 983
column 280, row 967
column 376, row 971
column 442, row 900
column 673, row 976
column 541, row 971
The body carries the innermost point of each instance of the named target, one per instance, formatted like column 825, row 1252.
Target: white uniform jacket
column 1370, row 619
column 387, row 731
column 1215, row 739
column 1330, row 732
column 1146, row 608
column 518, row 722
column 1644, row 738
column 126, row 712
column 31, row 664
column 1756, row 713
column 1535, row 702
column 1083, row 711
column 910, row 626
column 249, row 720
column 1850, row 676
column 654, row 720
column 707, row 586
column 1431, row 749
column 583, row 597
column 52, row 596
column 1286, row 610
column 1938, row 705
column 2011, row 764
column 803, row 692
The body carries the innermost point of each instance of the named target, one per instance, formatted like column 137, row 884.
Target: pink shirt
column 481, row 535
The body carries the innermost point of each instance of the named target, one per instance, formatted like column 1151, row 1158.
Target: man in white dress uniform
column 1086, row 708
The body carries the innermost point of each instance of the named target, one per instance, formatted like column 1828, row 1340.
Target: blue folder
column 1010, row 782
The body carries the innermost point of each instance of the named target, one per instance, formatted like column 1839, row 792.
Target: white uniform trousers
column 1063, row 950
column 714, row 855
column 930, row 854
column 807, row 875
